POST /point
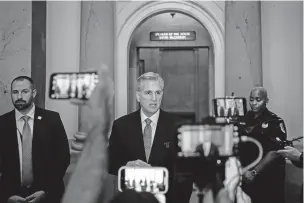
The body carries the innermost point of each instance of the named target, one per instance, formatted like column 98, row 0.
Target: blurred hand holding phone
column 90, row 172
column 93, row 90
column 144, row 179
column 137, row 163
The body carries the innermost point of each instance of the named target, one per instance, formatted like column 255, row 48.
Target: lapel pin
column 39, row 117
column 167, row 144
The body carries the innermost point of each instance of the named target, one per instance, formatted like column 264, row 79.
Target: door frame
column 209, row 14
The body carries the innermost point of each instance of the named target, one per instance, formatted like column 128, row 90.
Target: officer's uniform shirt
column 266, row 128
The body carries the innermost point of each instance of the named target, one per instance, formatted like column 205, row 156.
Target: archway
column 145, row 10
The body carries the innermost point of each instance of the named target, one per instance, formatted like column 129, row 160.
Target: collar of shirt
column 153, row 118
column 30, row 114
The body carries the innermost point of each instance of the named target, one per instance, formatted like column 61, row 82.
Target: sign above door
column 173, row 36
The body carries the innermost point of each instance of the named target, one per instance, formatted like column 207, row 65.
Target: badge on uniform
column 264, row 125
column 167, row 144
column 282, row 128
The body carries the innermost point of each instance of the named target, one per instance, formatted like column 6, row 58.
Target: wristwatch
column 254, row 173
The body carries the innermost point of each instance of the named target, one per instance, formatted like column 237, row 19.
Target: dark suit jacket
column 126, row 144
column 50, row 154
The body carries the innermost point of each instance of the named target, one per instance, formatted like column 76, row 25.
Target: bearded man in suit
column 34, row 149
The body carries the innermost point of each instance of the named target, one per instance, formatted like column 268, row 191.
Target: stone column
column 97, row 47
column 62, row 54
column 38, row 56
column 243, row 52
column 97, row 41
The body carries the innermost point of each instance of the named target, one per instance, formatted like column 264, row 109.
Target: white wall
column 282, row 49
column 282, row 53
column 62, row 54
column 15, row 46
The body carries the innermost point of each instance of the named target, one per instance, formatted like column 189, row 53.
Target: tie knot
column 25, row 118
column 148, row 121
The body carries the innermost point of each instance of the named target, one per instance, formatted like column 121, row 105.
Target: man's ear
column 137, row 96
column 34, row 93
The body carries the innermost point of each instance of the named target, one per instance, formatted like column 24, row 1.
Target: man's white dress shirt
column 153, row 118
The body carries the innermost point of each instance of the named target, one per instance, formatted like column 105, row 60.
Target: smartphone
column 144, row 179
column 211, row 140
column 229, row 107
column 78, row 85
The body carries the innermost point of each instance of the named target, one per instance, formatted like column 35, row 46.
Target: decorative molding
column 135, row 13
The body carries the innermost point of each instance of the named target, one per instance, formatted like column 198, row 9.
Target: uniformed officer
column 265, row 182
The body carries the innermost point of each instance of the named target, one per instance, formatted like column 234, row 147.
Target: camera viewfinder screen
column 214, row 139
column 230, row 107
column 72, row 85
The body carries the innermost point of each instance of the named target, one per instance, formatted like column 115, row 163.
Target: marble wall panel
column 243, row 52
column 15, row 46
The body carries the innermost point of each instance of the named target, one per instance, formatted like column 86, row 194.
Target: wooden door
column 179, row 69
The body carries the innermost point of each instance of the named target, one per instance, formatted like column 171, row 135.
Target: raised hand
column 86, row 183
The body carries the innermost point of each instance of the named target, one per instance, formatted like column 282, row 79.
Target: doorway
column 185, row 71
column 137, row 15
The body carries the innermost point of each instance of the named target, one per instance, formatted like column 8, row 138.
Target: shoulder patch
column 264, row 125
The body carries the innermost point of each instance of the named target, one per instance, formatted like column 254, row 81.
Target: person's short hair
column 150, row 76
column 134, row 197
column 21, row 78
column 261, row 89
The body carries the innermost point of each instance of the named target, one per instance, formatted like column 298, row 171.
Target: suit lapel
column 139, row 135
column 38, row 135
column 13, row 150
column 37, row 123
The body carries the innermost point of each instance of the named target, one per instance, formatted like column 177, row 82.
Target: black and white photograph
column 139, row 101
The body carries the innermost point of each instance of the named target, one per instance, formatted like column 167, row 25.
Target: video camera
column 206, row 147
column 284, row 143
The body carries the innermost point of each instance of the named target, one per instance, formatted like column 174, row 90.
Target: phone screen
column 230, row 107
column 72, row 85
column 212, row 140
column 150, row 179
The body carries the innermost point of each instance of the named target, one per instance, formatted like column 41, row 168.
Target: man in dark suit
column 147, row 137
column 87, row 184
column 34, row 149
